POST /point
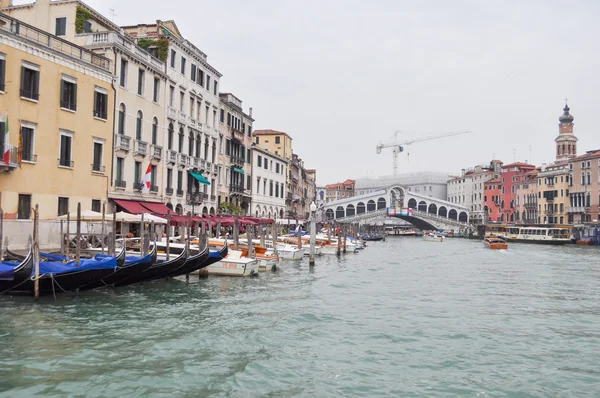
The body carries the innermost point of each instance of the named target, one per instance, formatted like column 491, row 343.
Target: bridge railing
column 447, row 220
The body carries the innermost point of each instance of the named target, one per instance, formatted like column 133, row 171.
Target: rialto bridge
column 426, row 213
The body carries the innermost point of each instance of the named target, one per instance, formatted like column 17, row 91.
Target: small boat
column 234, row 265
column 432, row 237
column 13, row 274
column 495, row 243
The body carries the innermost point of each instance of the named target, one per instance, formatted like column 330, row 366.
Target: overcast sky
column 341, row 75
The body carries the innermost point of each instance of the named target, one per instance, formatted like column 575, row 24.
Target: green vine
column 230, row 208
column 81, row 16
column 162, row 44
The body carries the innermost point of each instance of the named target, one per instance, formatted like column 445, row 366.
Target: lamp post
column 313, row 234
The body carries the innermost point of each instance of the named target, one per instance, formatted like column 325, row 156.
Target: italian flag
column 147, row 180
column 6, row 154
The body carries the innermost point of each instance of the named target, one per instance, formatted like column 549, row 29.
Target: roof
column 518, row 164
column 494, row 181
column 588, row 154
column 271, row 132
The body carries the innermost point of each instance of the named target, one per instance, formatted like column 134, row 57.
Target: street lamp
column 313, row 233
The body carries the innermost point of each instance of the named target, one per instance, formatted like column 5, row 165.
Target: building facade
column 433, row 184
column 526, row 208
column 269, row 186
column 460, row 190
column 340, row 190
column 274, row 141
column 584, row 188
column 553, row 193
column 236, row 127
column 493, row 200
column 193, row 136
column 56, row 99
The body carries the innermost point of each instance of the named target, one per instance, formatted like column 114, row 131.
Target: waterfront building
column 192, row 117
column 433, row 184
column 509, row 177
column 526, row 208
column 340, row 190
column 481, row 174
column 584, row 188
column 553, row 193
column 493, row 200
column 320, row 194
column 274, row 141
column 298, row 203
column 269, row 189
column 235, row 163
column 56, row 100
column 460, row 189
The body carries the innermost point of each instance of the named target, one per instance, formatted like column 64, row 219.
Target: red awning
column 131, row 206
column 156, row 208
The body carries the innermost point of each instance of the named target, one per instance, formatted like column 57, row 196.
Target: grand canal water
column 402, row 318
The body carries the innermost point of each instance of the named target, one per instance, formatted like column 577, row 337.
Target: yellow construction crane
column 398, row 147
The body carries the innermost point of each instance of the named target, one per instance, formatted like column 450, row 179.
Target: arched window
column 206, row 149
column 122, row 113
column 198, row 145
column 589, row 178
column 191, row 144
column 214, row 151
column 154, row 130
column 138, row 125
column 171, row 132
column 180, row 146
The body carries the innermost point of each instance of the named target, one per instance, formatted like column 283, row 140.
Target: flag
column 6, row 154
column 147, row 180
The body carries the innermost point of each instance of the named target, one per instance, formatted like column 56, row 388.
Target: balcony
column 180, row 192
column 140, row 148
column 236, row 189
column 213, row 197
column 13, row 161
column 195, row 162
column 194, row 198
column 156, row 152
column 181, row 159
column 208, row 166
column 154, row 189
column 577, row 209
column 66, row 163
column 205, row 195
column 138, row 186
column 531, row 205
column 202, row 164
column 171, row 156
column 105, row 39
column 247, row 192
column 192, row 121
column 120, row 184
column 172, row 113
column 169, row 191
column 237, row 161
column 122, row 142
column 182, row 117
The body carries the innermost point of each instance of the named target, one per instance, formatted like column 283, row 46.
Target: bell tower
column 566, row 142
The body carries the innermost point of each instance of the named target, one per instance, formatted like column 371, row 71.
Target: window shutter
column 62, row 95
column 95, row 103
column 74, row 97
column 22, row 79
column 36, row 83
column 2, row 74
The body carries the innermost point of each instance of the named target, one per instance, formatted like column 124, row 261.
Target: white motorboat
column 234, row 265
column 432, row 237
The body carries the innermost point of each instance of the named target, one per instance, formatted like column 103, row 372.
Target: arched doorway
column 179, row 209
column 422, row 206
column 205, row 210
column 371, row 205
column 443, row 211
column 432, row 209
column 212, row 210
column 412, row 203
column 381, row 203
column 463, row 217
column 328, row 214
column 360, row 208
column 339, row 212
column 452, row 214
column 397, row 194
column 281, row 213
column 350, row 210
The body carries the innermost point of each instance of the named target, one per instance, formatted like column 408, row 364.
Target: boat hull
column 427, row 238
column 233, row 268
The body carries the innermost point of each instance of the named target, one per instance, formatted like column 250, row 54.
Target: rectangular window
column 222, row 116
column 277, row 140
column 156, row 91
column 201, row 77
column 266, row 164
column 173, row 55
column 61, row 26
column 154, row 132
column 259, row 161
column 179, row 180
column 30, row 81
column 172, row 96
column 119, row 173
column 258, row 185
column 96, row 205
column 24, row 207
column 207, row 82
column 123, row 74
column 66, row 147
column 227, row 147
column 193, row 73
column 87, row 27
column 169, row 178
column 27, row 142
column 248, row 158
column 277, row 168
column 181, row 100
column 182, row 65
column 276, row 190
column 140, row 89
column 137, row 173
column 215, row 87
column 153, row 176
column 100, row 103
column 192, row 102
column 63, row 206
column 2, row 72
column 68, row 93
column 98, row 153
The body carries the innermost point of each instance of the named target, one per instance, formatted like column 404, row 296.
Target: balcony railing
column 213, row 197
column 169, row 191
column 122, row 142
column 13, row 161
column 235, row 188
column 171, row 156
column 97, row 168
column 138, row 186
column 576, row 209
column 237, row 161
column 194, row 162
column 172, row 113
column 180, row 192
column 181, row 159
column 182, row 117
column 66, row 163
column 140, row 148
column 194, row 198
column 153, row 188
column 120, row 184
column 156, row 151
column 203, row 164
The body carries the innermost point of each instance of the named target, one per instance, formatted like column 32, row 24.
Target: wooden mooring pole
column 1, row 229
column 36, row 252
column 103, row 226
column 68, row 245
column 168, row 249
column 78, row 237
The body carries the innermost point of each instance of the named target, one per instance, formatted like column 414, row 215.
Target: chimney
column 250, row 112
column 6, row 3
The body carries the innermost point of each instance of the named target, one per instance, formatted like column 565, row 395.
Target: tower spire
column 566, row 142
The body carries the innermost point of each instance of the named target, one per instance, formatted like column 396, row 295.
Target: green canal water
column 402, row 318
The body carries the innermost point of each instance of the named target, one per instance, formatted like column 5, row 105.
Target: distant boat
column 495, row 243
column 432, row 237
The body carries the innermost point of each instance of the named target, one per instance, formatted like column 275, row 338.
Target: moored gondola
column 13, row 274
column 194, row 262
column 160, row 269
column 126, row 268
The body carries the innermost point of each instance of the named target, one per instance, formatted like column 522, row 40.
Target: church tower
column 566, row 142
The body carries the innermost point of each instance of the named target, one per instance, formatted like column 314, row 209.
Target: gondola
column 14, row 274
column 128, row 267
column 196, row 262
column 160, row 269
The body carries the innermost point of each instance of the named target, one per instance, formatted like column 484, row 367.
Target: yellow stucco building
column 57, row 100
column 274, row 141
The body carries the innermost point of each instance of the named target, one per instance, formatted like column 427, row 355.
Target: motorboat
column 430, row 236
column 234, row 265
column 495, row 243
